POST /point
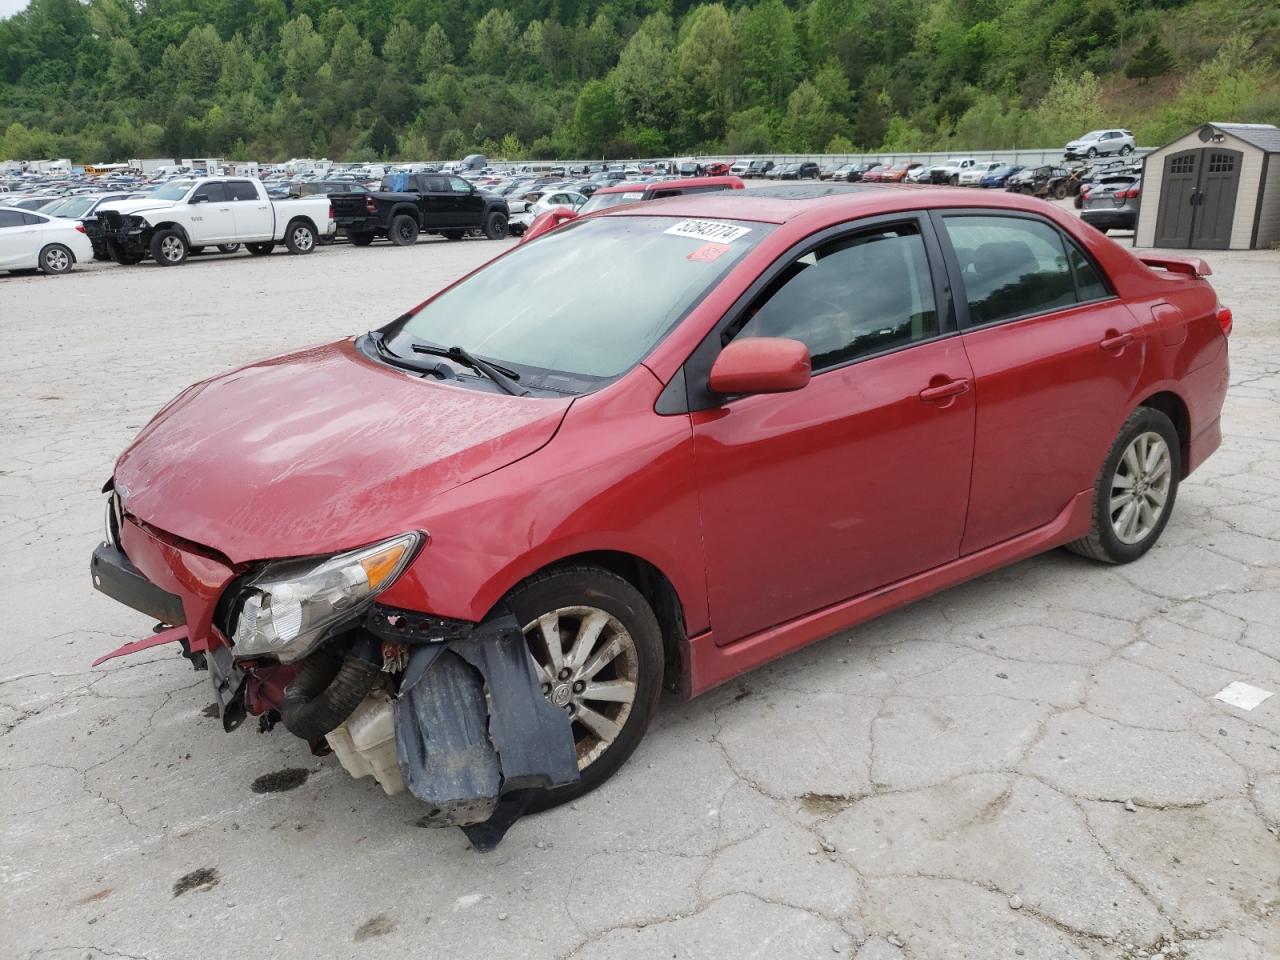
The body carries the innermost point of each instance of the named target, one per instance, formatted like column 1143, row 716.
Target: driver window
column 216, row 192
column 458, row 185
column 855, row 296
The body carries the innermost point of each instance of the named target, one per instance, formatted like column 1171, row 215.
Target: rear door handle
column 1116, row 341
column 952, row 388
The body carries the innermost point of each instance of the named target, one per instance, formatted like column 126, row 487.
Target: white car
column 739, row 167
column 971, row 176
column 949, row 172
column 1100, row 143
column 519, row 222
column 212, row 211
column 33, row 241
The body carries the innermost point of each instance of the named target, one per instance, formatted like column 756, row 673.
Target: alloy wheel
column 302, row 239
column 171, row 247
column 588, row 665
column 57, row 261
column 1140, row 488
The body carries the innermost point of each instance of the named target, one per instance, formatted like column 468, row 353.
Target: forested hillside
column 365, row 79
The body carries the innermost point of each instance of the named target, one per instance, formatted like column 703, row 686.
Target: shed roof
column 1263, row 135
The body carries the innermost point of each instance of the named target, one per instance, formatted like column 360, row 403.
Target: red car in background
column 516, row 512
column 898, row 172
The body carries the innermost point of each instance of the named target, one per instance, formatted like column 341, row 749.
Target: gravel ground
column 1031, row 765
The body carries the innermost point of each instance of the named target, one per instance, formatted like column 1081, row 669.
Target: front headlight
column 289, row 607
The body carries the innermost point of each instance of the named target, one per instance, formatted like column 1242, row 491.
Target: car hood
column 136, row 205
column 318, row 451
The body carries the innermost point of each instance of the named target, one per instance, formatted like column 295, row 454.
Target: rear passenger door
column 1056, row 358
column 254, row 217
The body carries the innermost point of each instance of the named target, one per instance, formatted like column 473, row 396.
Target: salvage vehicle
column 973, row 176
column 949, row 170
column 567, row 200
column 758, row 168
column 412, row 204
column 466, row 550
column 1112, row 203
column 1037, row 181
column 35, row 241
column 168, row 224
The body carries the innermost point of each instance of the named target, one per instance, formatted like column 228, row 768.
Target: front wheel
column 597, row 649
column 495, row 225
column 300, row 237
column 1135, row 490
column 1093, row 152
column 1061, row 191
column 169, row 248
column 55, row 259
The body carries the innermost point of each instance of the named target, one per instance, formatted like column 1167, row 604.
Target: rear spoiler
column 1191, row 266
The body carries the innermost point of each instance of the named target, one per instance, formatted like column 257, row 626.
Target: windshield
column 602, row 201
column 585, row 302
column 175, row 190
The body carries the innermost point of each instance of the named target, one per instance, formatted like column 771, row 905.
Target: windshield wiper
column 504, row 377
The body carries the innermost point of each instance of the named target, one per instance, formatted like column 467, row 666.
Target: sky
column 9, row 7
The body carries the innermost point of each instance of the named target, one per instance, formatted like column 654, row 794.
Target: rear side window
column 10, row 218
column 1089, row 282
column 31, row 219
column 855, row 296
column 1011, row 267
column 241, row 190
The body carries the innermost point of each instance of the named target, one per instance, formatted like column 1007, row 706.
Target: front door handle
column 1115, row 342
column 944, row 391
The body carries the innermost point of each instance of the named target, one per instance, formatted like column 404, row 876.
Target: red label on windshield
column 708, row 252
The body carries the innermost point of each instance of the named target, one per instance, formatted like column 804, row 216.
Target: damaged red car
column 467, row 550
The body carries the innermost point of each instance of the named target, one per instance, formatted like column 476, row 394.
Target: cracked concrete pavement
column 1031, row 765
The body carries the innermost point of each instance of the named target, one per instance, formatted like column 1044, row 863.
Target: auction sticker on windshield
column 708, row 230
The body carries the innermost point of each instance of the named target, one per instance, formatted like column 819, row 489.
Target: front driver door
column 860, row 478
column 17, row 244
column 211, row 219
column 468, row 203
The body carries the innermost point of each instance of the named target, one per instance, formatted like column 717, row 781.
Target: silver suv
column 1100, row 143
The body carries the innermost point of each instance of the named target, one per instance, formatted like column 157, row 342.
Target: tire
column 1060, row 191
column 955, row 180
column 56, row 259
column 403, row 231
column 228, row 247
column 1079, row 201
column 1111, row 539
column 259, row 249
column 1126, row 150
column 568, row 593
column 453, row 234
column 495, row 225
column 1092, row 152
column 169, row 248
column 300, row 237
column 360, row 239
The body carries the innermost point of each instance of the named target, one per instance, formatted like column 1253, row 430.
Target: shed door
column 1178, row 190
column 1216, row 200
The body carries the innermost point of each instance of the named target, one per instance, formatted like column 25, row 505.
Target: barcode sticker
column 708, row 230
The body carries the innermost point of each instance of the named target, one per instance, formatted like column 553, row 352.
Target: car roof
column 630, row 186
column 827, row 202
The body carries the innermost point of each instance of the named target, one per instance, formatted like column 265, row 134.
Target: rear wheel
column 169, row 248
column 300, row 237
column 404, row 231
column 1135, row 490
column 495, row 225
column 597, row 649
column 1061, row 191
column 259, row 249
column 55, row 259
column 1126, row 150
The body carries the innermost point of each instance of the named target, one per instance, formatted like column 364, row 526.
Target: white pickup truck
column 181, row 216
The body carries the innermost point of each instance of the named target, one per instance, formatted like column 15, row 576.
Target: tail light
column 1132, row 193
column 1224, row 320
column 80, row 227
column 331, row 211
column 371, row 204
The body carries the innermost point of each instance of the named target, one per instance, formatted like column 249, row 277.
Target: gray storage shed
column 1217, row 188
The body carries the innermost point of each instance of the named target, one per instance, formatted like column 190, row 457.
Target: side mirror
column 200, row 198
column 761, row 365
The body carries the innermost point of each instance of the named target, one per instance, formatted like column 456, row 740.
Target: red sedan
column 659, row 447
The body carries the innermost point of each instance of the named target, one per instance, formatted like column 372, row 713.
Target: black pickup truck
column 409, row 204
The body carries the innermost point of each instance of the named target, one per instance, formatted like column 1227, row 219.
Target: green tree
column 597, row 117
column 400, row 49
column 707, row 68
column 436, row 51
column 770, row 52
column 1152, row 59
column 640, row 79
column 494, row 43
